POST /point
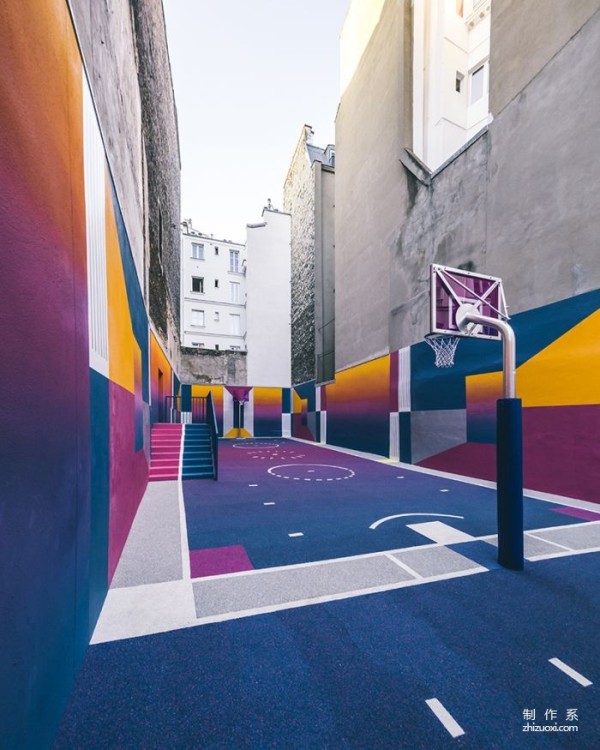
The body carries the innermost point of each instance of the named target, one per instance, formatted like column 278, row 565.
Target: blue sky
column 247, row 75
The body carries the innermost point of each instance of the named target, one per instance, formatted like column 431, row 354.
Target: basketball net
column 444, row 346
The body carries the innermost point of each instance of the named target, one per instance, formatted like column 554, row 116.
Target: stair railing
column 211, row 418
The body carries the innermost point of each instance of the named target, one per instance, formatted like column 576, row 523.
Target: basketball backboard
column 453, row 289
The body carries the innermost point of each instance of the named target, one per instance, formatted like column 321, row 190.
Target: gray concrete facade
column 371, row 188
column 309, row 196
column 520, row 201
column 124, row 47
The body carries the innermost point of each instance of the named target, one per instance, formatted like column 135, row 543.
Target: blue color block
column 100, row 493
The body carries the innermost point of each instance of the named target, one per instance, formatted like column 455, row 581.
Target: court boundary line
column 572, row 502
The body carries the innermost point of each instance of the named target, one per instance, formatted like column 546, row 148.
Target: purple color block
column 587, row 515
column 219, row 560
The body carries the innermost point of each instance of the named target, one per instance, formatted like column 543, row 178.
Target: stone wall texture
column 161, row 141
column 299, row 201
column 212, row 367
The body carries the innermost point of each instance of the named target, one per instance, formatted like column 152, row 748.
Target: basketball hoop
column 444, row 347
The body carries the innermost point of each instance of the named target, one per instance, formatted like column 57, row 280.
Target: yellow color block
column 483, row 388
column 121, row 340
column 567, row 372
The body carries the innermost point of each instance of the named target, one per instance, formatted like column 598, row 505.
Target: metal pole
column 509, row 444
column 509, row 346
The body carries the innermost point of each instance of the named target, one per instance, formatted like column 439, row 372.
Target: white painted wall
column 268, row 306
column 446, row 43
column 216, row 304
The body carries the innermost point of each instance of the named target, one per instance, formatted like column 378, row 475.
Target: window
column 477, row 84
column 197, row 317
column 198, row 344
column 234, row 323
column 234, row 289
column 459, row 80
column 216, row 250
column 235, row 348
column 234, row 260
column 216, row 317
column 197, row 251
column 197, row 284
column 216, row 283
column 216, row 347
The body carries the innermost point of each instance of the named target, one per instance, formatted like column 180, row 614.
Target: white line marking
column 444, row 490
column 541, row 539
column 404, row 566
column 449, row 723
column 406, row 515
column 268, row 503
column 570, row 672
column 252, row 485
column 296, row 533
column 183, row 536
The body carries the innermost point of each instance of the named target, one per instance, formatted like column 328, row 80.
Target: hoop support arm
column 509, row 348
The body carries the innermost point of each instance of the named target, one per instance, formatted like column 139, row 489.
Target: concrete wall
column 526, row 34
column 162, row 160
column 299, row 202
column 106, row 37
column 126, row 57
column 518, row 203
column 543, row 224
column 213, row 367
column 446, row 224
column 324, row 177
column 372, row 126
column 268, row 307
column 73, row 477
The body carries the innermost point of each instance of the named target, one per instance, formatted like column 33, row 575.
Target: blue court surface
column 328, row 501
column 363, row 672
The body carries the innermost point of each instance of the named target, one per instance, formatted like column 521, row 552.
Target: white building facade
column 213, row 292
column 451, row 50
column 268, row 282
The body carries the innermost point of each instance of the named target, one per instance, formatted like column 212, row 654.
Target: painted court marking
column 256, row 446
column 296, row 533
column 448, row 721
column 440, row 532
column 297, row 471
column 268, row 503
column 574, row 675
column 407, row 515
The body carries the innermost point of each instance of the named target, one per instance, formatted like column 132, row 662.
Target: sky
column 248, row 74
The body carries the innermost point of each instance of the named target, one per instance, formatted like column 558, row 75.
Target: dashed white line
column 252, row 485
column 444, row 490
column 570, row 672
column 447, row 720
column 268, row 503
column 296, row 533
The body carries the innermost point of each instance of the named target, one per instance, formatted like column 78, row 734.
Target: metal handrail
column 211, row 419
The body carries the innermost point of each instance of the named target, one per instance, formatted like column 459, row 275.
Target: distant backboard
column 452, row 288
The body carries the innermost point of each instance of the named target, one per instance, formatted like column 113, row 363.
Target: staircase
column 197, row 452
column 165, row 451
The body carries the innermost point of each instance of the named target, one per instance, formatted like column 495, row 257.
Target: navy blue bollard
column 509, row 457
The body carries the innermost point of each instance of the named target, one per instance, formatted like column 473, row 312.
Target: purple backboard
column 453, row 287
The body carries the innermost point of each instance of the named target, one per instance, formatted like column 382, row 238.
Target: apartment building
column 213, row 291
